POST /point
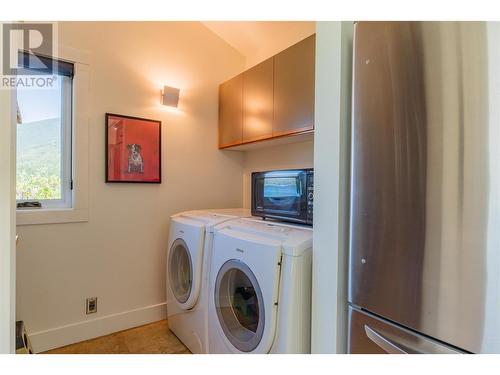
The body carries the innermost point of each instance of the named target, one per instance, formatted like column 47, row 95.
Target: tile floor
column 154, row 338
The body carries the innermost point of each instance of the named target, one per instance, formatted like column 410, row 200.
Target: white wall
column 331, row 178
column 295, row 155
column 119, row 255
column 7, row 225
column 259, row 40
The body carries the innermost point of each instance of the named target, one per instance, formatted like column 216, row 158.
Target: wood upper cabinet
column 274, row 98
column 294, row 88
column 231, row 112
column 258, row 101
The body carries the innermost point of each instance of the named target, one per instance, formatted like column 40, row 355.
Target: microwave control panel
column 310, row 196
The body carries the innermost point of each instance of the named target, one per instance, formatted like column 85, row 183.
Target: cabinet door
column 258, row 102
column 294, row 88
column 231, row 112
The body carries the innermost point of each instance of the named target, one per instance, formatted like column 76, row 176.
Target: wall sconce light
column 170, row 96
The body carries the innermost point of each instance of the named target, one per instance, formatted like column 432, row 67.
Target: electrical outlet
column 91, row 305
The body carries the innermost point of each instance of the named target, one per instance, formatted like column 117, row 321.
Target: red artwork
column 133, row 149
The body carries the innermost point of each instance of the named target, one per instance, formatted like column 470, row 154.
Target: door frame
column 7, row 221
column 331, row 190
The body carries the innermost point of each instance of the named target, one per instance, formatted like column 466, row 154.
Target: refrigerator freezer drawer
column 371, row 335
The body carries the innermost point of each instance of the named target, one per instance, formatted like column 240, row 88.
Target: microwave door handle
column 383, row 342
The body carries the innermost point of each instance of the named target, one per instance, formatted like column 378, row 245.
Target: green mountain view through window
column 39, row 160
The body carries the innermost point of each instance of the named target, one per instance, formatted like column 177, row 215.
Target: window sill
column 51, row 216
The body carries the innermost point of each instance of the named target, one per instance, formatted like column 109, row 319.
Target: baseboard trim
column 89, row 329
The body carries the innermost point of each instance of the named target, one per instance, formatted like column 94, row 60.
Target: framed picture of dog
column 133, row 149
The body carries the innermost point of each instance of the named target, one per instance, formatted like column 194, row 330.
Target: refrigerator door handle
column 384, row 343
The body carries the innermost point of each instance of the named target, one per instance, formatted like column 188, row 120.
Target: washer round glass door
column 239, row 305
column 180, row 270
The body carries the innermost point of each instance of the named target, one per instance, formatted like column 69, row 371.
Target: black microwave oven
column 284, row 195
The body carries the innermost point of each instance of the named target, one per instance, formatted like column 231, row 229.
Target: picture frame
column 133, row 149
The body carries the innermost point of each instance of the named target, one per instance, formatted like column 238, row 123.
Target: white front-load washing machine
column 260, row 288
column 188, row 257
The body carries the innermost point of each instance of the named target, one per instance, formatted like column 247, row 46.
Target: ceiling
column 258, row 40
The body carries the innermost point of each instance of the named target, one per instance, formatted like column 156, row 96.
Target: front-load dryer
column 260, row 288
column 188, row 257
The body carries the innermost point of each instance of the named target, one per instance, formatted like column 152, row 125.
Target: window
column 44, row 138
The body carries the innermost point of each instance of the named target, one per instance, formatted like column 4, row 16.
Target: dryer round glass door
column 180, row 270
column 239, row 305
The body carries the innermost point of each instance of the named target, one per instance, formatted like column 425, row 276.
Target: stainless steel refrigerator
column 424, row 263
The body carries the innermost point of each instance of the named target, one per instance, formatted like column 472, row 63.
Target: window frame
column 79, row 212
column 66, row 200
